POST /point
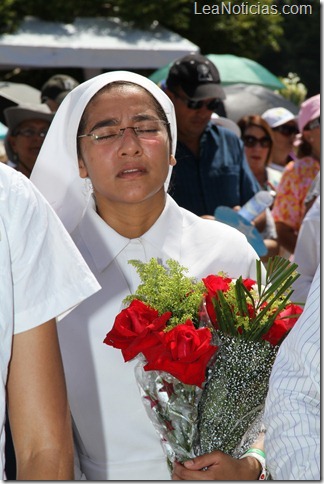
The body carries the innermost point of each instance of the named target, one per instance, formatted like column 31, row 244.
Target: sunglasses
column 192, row 104
column 286, row 129
column 252, row 141
column 316, row 123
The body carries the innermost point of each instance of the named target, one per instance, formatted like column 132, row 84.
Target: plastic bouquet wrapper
column 205, row 351
column 232, row 403
column 173, row 410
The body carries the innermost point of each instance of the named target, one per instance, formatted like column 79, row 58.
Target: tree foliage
column 239, row 34
column 283, row 43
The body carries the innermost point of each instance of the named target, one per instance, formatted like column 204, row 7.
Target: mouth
column 131, row 172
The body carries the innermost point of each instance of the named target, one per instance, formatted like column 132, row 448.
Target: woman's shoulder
column 209, row 227
column 305, row 162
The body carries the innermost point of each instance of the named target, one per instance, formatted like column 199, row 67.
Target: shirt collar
column 104, row 243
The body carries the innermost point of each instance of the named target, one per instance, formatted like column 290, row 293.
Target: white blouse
column 115, row 437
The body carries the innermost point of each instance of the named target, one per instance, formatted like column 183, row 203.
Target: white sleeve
column 48, row 272
column 292, row 411
column 307, row 253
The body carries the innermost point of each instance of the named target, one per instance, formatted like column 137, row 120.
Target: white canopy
column 91, row 43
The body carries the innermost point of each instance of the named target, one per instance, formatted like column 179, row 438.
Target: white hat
column 226, row 123
column 278, row 116
column 56, row 172
column 15, row 115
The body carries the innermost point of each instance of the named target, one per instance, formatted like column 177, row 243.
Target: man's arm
column 287, row 236
column 38, row 407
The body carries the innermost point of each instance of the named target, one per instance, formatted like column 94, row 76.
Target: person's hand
column 217, row 466
column 236, row 208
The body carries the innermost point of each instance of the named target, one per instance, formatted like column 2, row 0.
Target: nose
column 129, row 143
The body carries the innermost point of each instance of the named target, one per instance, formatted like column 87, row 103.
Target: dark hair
column 304, row 148
column 256, row 120
column 159, row 110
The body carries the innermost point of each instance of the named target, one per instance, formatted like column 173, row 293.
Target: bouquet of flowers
column 205, row 351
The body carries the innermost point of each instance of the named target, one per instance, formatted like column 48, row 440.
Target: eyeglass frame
column 195, row 105
column 315, row 123
column 121, row 131
column 30, row 133
column 286, row 129
column 257, row 141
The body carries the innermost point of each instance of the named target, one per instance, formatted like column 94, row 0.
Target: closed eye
column 147, row 130
column 105, row 136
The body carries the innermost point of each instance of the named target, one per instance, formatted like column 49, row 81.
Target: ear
column 173, row 161
column 82, row 168
column 12, row 142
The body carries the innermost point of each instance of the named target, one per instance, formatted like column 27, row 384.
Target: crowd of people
column 117, row 168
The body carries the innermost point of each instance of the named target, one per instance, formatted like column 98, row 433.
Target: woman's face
column 284, row 142
column 313, row 137
column 126, row 169
column 257, row 145
column 28, row 140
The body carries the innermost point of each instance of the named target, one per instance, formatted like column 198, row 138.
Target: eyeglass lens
column 286, row 129
column 316, row 123
column 211, row 105
column 252, row 141
column 29, row 133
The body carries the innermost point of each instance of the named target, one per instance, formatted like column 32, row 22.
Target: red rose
column 249, row 283
column 184, row 352
column 213, row 284
column 282, row 324
column 216, row 283
column 251, row 310
column 134, row 328
column 148, row 340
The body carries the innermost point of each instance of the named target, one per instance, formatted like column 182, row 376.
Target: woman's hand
column 217, row 466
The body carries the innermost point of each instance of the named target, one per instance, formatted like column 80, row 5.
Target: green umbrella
column 233, row 70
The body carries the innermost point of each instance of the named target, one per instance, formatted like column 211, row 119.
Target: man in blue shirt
column 211, row 167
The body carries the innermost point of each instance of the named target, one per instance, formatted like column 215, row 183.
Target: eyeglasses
column 286, row 129
column 109, row 134
column 192, row 104
column 30, row 133
column 316, row 123
column 252, row 141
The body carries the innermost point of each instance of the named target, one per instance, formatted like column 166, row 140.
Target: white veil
column 56, row 172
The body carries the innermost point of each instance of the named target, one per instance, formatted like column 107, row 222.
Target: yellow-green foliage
column 295, row 91
column 167, row 288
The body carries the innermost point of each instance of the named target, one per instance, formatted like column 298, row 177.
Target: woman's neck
column 261, row 178
column 24, row 169
column 280, row 157
column 131, row 220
